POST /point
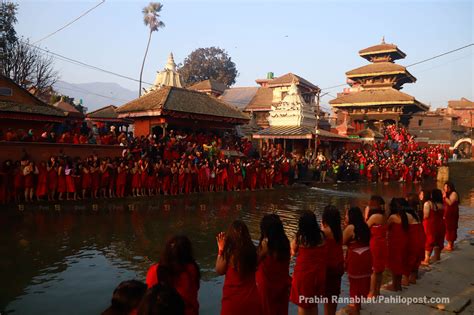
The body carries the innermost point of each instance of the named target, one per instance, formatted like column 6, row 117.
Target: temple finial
column 170, row 65
column 383, row 39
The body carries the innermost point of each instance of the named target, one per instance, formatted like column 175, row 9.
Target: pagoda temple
column 374, row 97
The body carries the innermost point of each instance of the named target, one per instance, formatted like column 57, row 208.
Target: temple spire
column 170, row 65
column 383, row 39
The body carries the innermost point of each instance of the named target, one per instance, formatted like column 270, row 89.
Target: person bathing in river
column 451, row 214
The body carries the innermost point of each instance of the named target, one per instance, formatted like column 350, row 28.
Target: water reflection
column 58, row 256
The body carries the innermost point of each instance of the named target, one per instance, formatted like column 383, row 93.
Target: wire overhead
column 68, row 24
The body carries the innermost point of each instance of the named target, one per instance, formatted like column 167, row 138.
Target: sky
column 317, row 40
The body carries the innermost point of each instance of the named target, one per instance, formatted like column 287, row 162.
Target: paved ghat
column 452, row 277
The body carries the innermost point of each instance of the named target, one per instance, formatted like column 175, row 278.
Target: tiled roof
column 104, row 112
column 209, row 85
column 262, row 100
column 382, row 48
column 295, row 132
column 181, row 100
column 239, row 96
column 68, row 109
column 289, row 78
column 378, row 68
column 46, row 110
column 461, row 104
column 375, row 97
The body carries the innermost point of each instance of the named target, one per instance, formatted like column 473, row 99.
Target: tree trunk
column 143, row 64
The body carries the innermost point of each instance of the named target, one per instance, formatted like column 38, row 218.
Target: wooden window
column 420, row 122
column 5, row 91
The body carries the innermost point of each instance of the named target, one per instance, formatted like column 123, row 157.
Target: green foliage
column 208, row 63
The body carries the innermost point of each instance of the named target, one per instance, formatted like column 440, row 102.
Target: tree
column 151, row 18
column 208, row 63
column 20, row 61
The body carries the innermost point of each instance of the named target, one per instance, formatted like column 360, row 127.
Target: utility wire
column 414, row 64
column 80, row 63
column 78, row 89
column 68, row 24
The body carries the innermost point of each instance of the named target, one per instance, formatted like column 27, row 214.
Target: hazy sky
column 318, row 40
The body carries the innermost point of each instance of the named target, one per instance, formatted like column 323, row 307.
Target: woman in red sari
column 95, row 179
column 178, row 268
column 398, row 241
column 181, row 178
column 52, row 178
column 70, row 184
column 309, row 275
column 433, row 224
column 376, row 221
column 273, row 280
column 62, row 188
column 86, row 181
column 451, row 214
column 356, row 236
column 104, row 178
column 42, row 185
column 237, row 260
column 331, row 227
column 174, row 178
column 416, row 241
column 166, row 181
column 121, row 179
column 29, row 172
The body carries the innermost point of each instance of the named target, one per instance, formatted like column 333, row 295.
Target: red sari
column 416, row 247
column 240, row 295
column 359, row 268
column 273, row 283
column 378, row 247
column 42, row 186
column 53, row 179
column 397, row 249
column 187, row 285
column 434, row 229
column 309, row 275
column 451, row 218
column 334, row 268
column 86, row 180
column 62, row 186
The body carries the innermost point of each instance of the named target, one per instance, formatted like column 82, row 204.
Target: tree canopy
column 19, row 60
column 208, row 63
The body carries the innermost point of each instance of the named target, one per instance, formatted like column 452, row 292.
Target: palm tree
column 151, row 18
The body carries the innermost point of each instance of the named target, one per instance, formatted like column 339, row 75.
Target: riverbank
column 451, row 278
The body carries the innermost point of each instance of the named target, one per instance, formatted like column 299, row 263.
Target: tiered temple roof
column 375, row 87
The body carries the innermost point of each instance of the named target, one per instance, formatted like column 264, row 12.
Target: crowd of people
column 183, row 163
column 410, row 232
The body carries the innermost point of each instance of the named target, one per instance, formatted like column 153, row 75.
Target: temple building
column 19, row 109
column 167, row 105
column 294, row 118
column 374, row 97
column 272, row 91
column 210, row 87
column 107, row 116
column 167, row 77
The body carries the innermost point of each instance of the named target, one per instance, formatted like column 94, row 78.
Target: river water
column 69, row 260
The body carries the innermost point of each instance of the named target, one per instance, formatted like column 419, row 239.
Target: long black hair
column 361, row 229
column 178, row 253
column 437, row 196
column 399, row 206
column 239, row 249
column 376, row 205
column 332, row 218
column 451, row 189
column 126, row 297
column 271, row 228
column 161, row 299
column 309, row 233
